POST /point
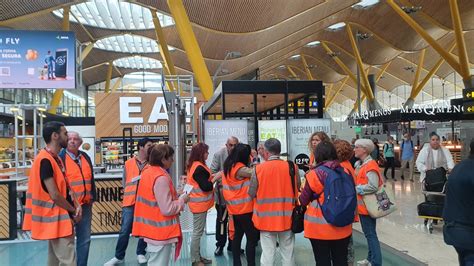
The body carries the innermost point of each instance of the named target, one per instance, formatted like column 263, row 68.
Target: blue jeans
column 83, row 234
column 124, row 235
column 368, row 227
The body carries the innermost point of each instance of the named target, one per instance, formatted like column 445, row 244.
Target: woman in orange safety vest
column 235, row 184
column 157, row 207
column 368, row 180
column 313, row 142
column 329, row 242
column 345, row 152
column 201, row 196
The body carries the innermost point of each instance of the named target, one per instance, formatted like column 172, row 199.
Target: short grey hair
column 78, row 136
column 367, row 144
column 233, row 138
column 273, row 146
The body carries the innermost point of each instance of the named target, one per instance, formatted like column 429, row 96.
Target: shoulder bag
column 297, row 216
column 380, row 203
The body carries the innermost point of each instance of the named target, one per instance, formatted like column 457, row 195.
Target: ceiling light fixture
column 295, row 57
column 313, row 44
column 336, row 27
column 364, row 35
column 365, row 4
column 411, row 9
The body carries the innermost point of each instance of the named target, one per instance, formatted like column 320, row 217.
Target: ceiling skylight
column 137, row 62
column 313, row 44
column 129, row 43
column 295, row 57
column 337, row 26
column 365, row 4
column 114, row 14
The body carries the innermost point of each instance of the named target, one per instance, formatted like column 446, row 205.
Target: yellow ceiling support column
column 58, row 93
column 108, row 77
column 418, row 70
column 430, row 74
column 342, row 65
column 306, row 68
column 365, row 80
column 461, row 44
column 328, row 91
column 191, row 46
column 117, row 84
column 333, row 97
column 382, row 71
column 86, row 52
column 164, row 51
column 450, row 59
column 292, row 72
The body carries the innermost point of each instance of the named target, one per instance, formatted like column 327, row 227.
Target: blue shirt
column 407, row 150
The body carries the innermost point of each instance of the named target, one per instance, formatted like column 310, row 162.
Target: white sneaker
column 113, row 261
column 142, row 259
column 363, row 262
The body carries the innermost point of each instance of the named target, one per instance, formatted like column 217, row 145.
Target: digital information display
column 37, row 59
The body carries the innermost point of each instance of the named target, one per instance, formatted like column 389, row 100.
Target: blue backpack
column 340, row 201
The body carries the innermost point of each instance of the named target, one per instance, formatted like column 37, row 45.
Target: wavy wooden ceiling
column 267, row 33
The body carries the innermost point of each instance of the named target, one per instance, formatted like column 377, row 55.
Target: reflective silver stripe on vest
column 147, row 202
column 28, row 195
column 360, row 202
column 314, row 204
column 313, row 219
column 239, row 201
column 53, row 219
column 129, row 193
column 275, row 200
column 130, row 184
column 272, row 213
column 201, row 199
column 27, row 211
column 155, row 223
column 78, row 194
column 44, row 204
column 236, row 187
column 80, row 182
column 197, row 190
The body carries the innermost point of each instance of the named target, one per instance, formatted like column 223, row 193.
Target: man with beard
column 51, row 207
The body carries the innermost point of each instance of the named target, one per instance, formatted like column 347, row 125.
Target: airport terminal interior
column 399, row 73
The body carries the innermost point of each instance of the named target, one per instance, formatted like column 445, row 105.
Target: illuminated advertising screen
column 37, row 59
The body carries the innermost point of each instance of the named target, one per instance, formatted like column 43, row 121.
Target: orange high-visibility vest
column 130, row 189
column 362, row 179
column 315, row 226
column 43, row 217
column 199, row 201
column 148, row 221
column 311, row 159
column 275, row 197
column 79, row 178
column 235, row 192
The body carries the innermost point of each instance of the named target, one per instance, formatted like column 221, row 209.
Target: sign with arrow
column 468, row 107
column 468, row 94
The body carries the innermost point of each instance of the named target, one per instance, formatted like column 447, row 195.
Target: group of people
column 256, row 198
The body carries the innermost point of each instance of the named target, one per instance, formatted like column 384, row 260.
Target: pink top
column 167, row 206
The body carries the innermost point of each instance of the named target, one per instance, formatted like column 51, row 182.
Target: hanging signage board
column 145, row 113
column 468, row 94
column 299, row 132
column 273, row 129
column 216, row 133
column 107, row 211
column 37, row 59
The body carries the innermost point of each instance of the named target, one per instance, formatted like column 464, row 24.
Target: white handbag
column 380, row 203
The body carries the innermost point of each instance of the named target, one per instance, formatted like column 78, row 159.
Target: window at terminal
column 114, row 14
column 129, row 43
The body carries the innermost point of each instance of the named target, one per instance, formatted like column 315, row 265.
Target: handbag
column 297, row 215
column 380, row 203
column 435, row 179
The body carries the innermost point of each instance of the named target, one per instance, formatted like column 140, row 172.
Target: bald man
column 80, row 175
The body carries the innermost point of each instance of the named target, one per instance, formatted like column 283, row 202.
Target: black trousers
column 465, row 256
column 243, row 225
column 390, row 164
column 330, row 252
column 221, row 226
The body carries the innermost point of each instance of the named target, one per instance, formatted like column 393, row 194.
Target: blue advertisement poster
column 37, row 59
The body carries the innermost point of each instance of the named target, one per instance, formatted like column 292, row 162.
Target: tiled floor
column 401, row 232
